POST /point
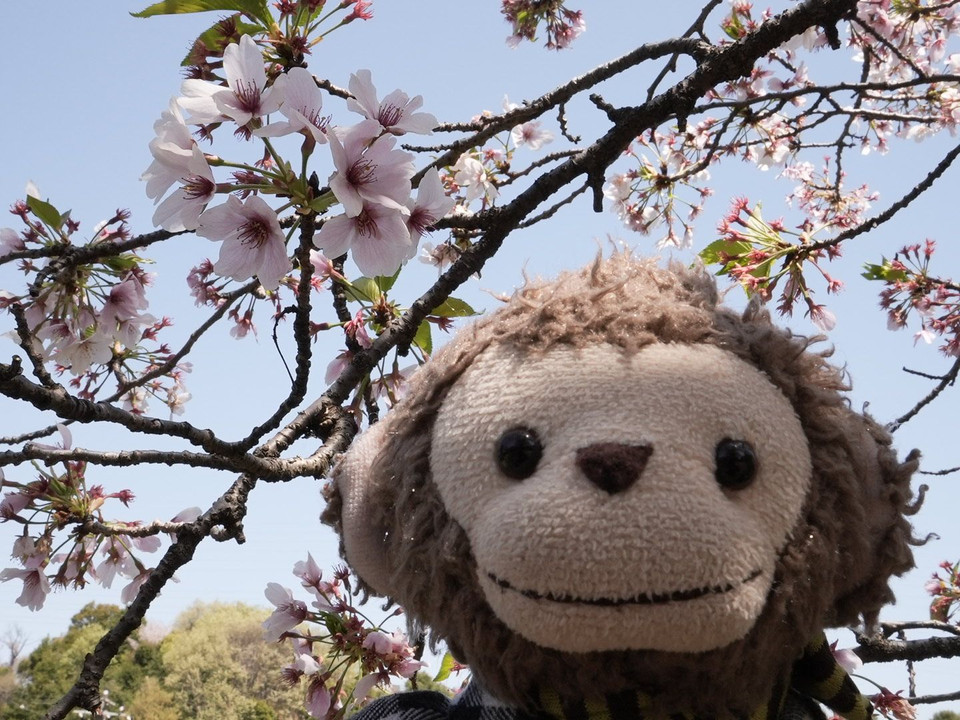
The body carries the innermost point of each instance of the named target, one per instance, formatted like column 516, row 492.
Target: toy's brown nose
column 613, row 467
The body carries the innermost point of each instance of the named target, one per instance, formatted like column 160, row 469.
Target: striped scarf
column 816, row 678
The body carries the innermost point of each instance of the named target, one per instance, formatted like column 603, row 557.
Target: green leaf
column 323, row 203
column 363, row 289
column 446, row 667
column 214, row 39
column 251, row 8
column 385, row 282
column 422, row 339
column 714, row 253
column 121, row 263
column 884, row 272
column 454, row 307
column 47, row 213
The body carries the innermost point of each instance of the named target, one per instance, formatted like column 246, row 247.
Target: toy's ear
column 362, row 524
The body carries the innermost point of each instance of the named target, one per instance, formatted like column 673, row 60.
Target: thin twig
column 945, row 381
column 301, row 334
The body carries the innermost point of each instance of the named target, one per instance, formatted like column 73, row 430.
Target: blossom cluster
column 94, row 549
column 945, row 591
column 759, row 254
column 912, row 289
column 647, row 196
column 339, row 654
column 88, row 316
column 371, row 179
column 562, row 25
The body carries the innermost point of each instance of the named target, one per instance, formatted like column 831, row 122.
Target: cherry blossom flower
column 336, row 366
column 253, row 242
column 288, row 614
column 36, row 587
column 393, row 651
column 13, row 503
column 395, row 113
column 431, row 205
column 10, row 241
column 318, row 698
column 246, row 96
column 471, row 174
column 361, row 10
column 308, row 571
column 129, row 592
column 124, row 302
column 822, row 318
column 304, row 663
column 530, row 134
column 181, row 210
column 171, row 149
column 892, row 705
column 368, row 168
column 118, row 559
column 365, row 685
column 440, row 256
column 377, row 237
column 356, row 330
column 78, row 354
column 846, row 658
column 302, row 105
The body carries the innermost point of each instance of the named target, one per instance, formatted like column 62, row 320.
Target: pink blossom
column 177, row 397
column 395, row 113
column 368, row 168
column 336, row 366
column 471, row 174
column 304, row 663
column 137, row 401
column 431, row 205
column 246, row 96
column 377, row 237
column 171, row 148
column 288, row 614
column 323, row 268
column 124, row 301
column 253, row 242
column 36, row 587
column 78, row 354
column 129, row 592
column 846, row 658
column 393, row 651
column 118, row 559
column 10, row 241
column 181, row 210
column 318, row 698
column 365, row 685
column 440, row 256
column 361, row 10
column 822, row 318
column 12, row 504
column 530, row 134
column 308, row 571
column 302, row 106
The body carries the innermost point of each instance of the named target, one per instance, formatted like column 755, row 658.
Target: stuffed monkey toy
column 616, row 498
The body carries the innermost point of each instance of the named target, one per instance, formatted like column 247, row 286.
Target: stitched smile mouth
column 644, row 599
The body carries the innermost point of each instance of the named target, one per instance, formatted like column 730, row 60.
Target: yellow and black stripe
column 816, row 674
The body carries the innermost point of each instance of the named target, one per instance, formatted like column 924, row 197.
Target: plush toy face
column 614, row 483
column 617, row 501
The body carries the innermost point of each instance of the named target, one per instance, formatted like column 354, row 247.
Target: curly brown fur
column 835, row 569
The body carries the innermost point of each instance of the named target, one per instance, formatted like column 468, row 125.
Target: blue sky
column 81, row 93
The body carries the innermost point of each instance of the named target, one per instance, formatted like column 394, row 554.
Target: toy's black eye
column 518, row 452
column 736, row 464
